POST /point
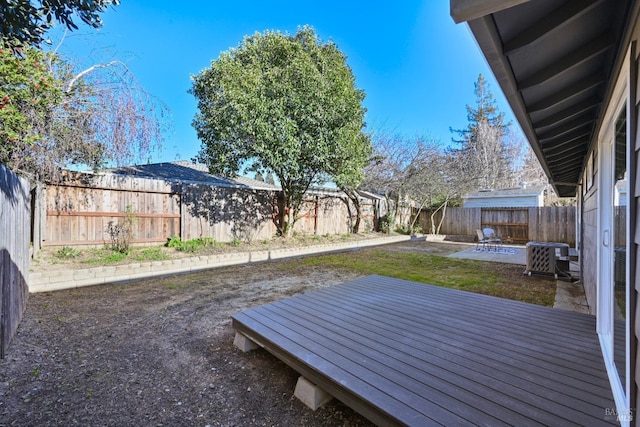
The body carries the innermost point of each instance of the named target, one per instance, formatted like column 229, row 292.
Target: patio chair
column 491, row 237
column 481, row 240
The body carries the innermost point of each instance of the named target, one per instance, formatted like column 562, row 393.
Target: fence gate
column 512, row 225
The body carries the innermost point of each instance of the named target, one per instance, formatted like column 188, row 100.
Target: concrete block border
column 46, row 281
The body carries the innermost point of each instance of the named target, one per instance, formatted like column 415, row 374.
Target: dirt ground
column 160, row 352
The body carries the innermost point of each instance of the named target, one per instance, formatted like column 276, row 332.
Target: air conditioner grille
column 541, row 259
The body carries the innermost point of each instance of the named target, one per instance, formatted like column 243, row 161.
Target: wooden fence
column 15, row 230
column 517, row 225
column 78, row 211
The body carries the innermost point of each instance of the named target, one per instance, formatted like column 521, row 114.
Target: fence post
column 183, row 212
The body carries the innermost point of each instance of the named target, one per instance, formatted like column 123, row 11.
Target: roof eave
column 486, row 35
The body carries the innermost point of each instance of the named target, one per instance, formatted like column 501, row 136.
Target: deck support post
column 310, row 394
column 244, row 343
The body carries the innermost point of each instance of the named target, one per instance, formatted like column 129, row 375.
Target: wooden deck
column 404, row 353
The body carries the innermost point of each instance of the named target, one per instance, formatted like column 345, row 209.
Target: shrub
column 67, row 252
column 122, row 232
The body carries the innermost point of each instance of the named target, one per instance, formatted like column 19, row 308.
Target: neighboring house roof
column 554, row 62
column 187, row 172
column 370, row 195
column 191, row 173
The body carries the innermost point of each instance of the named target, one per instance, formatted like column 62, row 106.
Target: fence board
column 520, row 225
column 15, row 230
column 78, row 211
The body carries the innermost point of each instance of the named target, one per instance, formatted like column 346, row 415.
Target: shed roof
column 554, row 61
column 533, row 191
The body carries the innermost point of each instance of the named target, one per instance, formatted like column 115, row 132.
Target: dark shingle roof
column 188, row 172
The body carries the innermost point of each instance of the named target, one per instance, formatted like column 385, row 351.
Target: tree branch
column 83, row 73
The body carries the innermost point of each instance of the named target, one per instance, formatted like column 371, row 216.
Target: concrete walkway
column 506, row 254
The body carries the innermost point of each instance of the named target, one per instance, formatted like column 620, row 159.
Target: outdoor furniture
column 491, row 238
column 481, row 240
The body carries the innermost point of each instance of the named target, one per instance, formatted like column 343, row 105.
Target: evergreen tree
column 269, row 179
column 483, row 153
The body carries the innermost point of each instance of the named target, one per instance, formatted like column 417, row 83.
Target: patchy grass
column 489, row 278
column 150, row 254
column 193, row 245
column 103, row 256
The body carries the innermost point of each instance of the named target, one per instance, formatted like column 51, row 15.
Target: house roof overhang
column 555, row 62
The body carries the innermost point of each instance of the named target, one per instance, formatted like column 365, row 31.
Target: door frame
column 605, row 251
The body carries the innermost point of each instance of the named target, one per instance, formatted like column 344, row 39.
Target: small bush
column 151, row 254
column 121, row 233
column 174, row 242
column 401, row 228
column 192, row 245
column 67, row 252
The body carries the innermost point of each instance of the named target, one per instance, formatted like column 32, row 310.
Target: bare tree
column 490, row 152
column 128, row 122
column 53, row 116
column 483, row 153
column 403, row 169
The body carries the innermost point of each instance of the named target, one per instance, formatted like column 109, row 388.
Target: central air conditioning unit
column 548, row 259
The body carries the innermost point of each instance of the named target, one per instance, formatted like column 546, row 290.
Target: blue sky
column 415, row 64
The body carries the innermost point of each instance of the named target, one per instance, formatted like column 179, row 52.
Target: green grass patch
column 104, row 256
column 150, row 254
column 67, row 252
column 501, row 280
column 193, row 245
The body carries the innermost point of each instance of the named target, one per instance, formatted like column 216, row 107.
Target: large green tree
column 347, row 172
column 25, row 22
column 281, row 104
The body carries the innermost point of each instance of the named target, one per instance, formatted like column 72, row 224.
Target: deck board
column 405, row 353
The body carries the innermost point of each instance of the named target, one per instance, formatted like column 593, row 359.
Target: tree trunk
column 356, row 202
column 443, row 207
column 352, row 196
column 415, row 218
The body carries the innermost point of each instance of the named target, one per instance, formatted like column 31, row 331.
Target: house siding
column 503, row 202
column 634, row 214
column 589, row 258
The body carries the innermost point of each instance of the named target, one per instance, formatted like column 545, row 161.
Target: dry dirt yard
column 160, row 352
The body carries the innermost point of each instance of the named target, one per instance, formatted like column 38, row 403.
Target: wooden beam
column 569, row 162
column 566, row 184
column 102, row 187
column 574, row 125
column 96, row 242
column 568, row 113
column 468, row 10
column 560, row 17
column 569, row 152
column 568, row 93
column 566, row 147
column 571, row 61
column 112, row 214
